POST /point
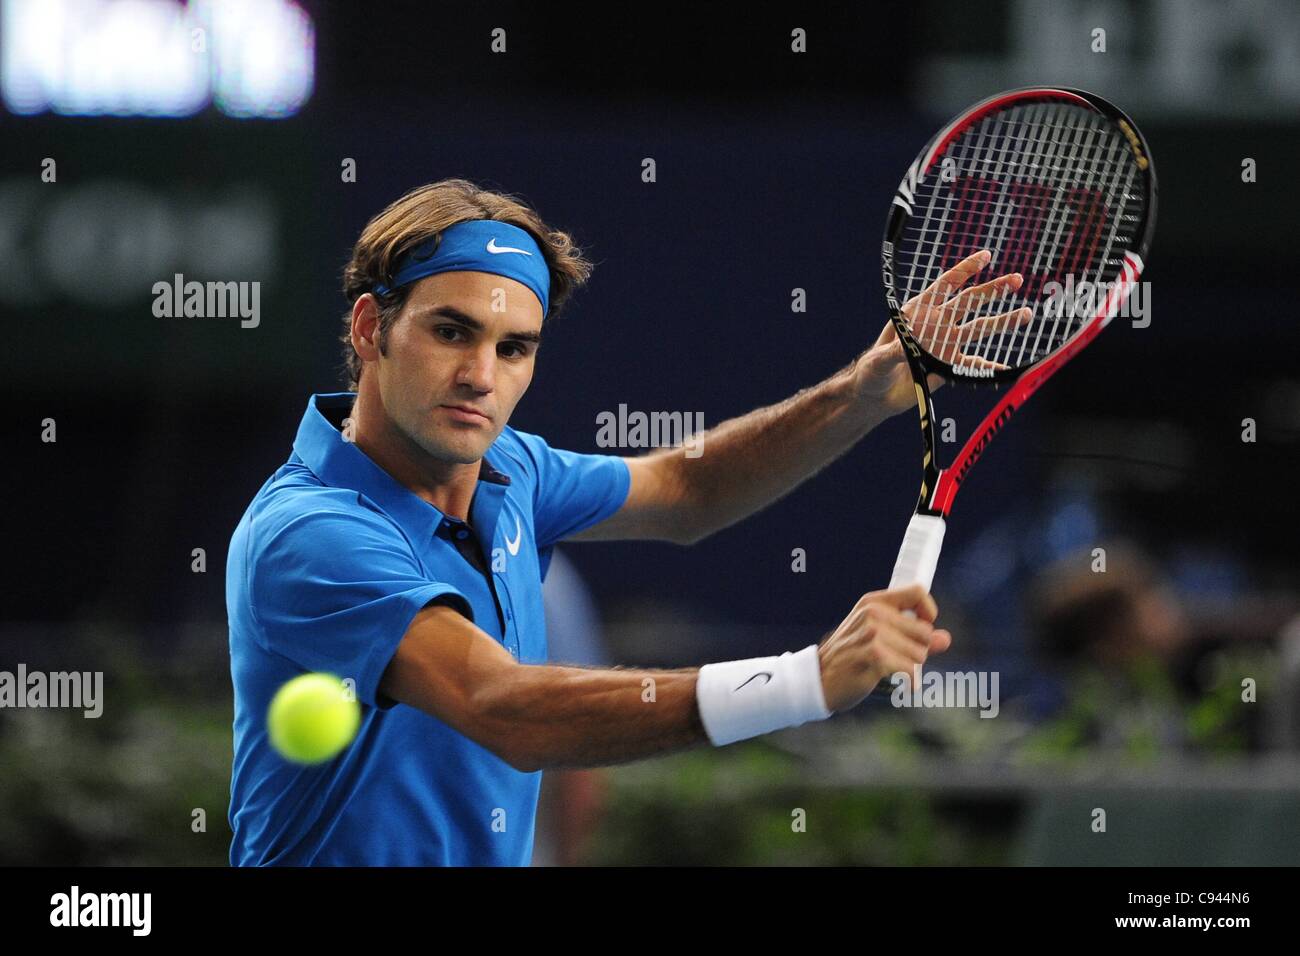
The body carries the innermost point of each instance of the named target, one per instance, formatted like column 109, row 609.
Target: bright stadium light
column 263, row 56
column 252, row 58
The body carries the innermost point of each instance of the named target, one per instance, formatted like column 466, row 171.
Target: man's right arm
column 545, row 716
column 539, row 716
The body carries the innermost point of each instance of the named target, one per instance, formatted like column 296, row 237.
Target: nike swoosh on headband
column 493, row 248
column 476, row 245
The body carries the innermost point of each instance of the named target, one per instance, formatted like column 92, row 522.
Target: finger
column 963, row 272
column 974, row 361
column 940, row 317
column 933, row 306
column 981, row 328
column 925, row 314
column 988, row 291
column 946, row 302
column 914, row 597
column 976, row 332
column 940, row 641
column 908, row 658
column 908, row 633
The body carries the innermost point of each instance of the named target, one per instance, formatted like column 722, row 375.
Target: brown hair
column 1072, row 609
column 430, row 209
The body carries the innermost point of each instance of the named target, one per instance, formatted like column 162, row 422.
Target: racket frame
column 939, row 485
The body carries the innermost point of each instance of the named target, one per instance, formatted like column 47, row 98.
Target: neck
column 448, row 486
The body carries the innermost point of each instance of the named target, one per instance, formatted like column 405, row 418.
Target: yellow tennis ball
column 312, row 718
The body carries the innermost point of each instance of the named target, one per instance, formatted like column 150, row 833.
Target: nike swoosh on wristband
column 513, row 546
column 767, row 674
column 496, row 250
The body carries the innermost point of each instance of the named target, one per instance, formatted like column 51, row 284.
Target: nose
column 479, row 369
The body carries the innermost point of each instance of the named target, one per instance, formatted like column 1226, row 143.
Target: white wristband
column 741, row 699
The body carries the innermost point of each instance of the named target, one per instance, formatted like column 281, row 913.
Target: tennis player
column 403, row 544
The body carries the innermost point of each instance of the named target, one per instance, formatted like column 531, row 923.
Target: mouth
column 465, row 413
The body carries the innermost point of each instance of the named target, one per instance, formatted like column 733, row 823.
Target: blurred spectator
column 1139, row 674
column 1113, row 617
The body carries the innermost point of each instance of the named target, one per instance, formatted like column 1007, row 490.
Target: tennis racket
column 1054, row 186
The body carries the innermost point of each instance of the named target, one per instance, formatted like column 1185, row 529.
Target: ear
column 365, row 327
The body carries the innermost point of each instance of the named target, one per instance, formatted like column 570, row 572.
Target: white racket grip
column 919, row 555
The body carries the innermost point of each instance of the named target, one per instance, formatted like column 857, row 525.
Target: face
column 1154, row 626
column 452, row 369
column 1161, row 622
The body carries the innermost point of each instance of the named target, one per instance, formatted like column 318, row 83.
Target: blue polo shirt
column 326, row 570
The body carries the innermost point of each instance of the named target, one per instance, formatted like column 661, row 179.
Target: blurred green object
column 751, row 805
column 151, row 787
column 146, row 783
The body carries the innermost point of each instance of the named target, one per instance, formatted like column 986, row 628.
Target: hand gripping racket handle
column 919, row 555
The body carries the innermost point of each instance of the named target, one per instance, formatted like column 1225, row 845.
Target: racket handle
column 919, row 555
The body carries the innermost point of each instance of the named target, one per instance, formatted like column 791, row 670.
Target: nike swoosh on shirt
column 496, row 250
column 513, row 546
column 764, row 674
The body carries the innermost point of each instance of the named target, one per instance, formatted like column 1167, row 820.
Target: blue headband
column 479, row 245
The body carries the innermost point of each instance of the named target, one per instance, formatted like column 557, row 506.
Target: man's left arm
column 747, row 463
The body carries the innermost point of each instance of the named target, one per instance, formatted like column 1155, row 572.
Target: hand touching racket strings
column 1013, row 239
column 938, row 315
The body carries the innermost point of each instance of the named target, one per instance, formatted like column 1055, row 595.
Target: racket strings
column 1023, row 243
column 1049, row 189
column 1052, row 152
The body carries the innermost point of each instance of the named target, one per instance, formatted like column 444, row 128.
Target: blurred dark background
column 774, row 171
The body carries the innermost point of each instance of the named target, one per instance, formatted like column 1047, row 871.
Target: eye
column 449, row 333
column 513, row 350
